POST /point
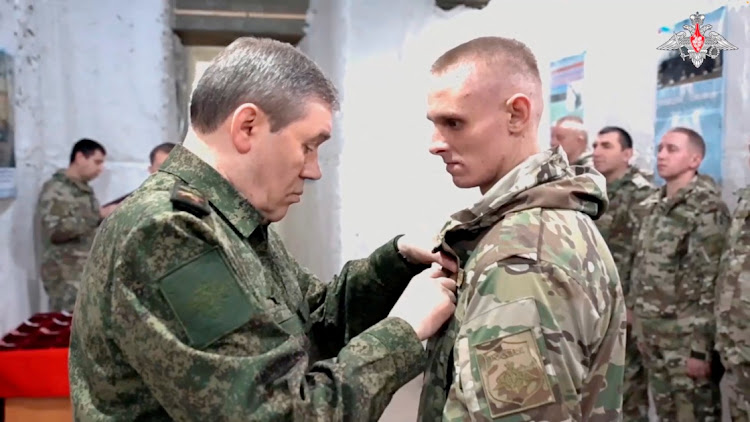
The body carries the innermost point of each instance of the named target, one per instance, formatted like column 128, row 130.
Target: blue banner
column 694, row 98
column 566, row 97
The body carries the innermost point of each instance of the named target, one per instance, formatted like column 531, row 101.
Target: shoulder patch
column 187, row 198
column 512, row 373
column 641, row 181
column 206, row 298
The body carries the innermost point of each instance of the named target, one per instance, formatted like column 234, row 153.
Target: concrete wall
column 91, row 68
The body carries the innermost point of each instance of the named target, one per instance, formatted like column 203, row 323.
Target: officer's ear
column 248, row 122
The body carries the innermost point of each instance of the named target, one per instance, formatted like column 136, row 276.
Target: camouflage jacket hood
column 544, row 180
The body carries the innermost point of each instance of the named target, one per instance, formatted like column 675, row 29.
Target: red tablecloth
column 34, row 357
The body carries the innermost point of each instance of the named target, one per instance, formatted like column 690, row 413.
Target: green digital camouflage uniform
column 678, row 248
column 539, row 329
column 733, row 311
column 68, row 215
column 192, row 309
column 624, row 193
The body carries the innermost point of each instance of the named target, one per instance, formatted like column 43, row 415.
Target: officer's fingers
column 446, row 261
column 448, row 284
column 450, row 294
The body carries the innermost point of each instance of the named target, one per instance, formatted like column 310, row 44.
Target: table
column 34, row 374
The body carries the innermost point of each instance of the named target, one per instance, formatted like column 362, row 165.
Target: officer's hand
column 697, row 368
column 104, row 212
column 427, row 302
column 419, row 251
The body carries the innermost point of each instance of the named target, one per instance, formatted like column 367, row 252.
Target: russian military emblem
column 697, row 41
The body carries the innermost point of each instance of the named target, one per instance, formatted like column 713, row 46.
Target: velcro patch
column 513, row 375
column 206, row 298
column 187, row 198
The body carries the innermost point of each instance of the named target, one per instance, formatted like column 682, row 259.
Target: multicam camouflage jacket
column 733, row 291
column 539, row 329
column 68, row 216
column 192, row 309
column 615, row 225
column 678, row 248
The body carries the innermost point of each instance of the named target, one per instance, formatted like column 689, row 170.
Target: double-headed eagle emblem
column 694, row 44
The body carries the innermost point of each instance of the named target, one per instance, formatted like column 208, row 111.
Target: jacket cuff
column 407, row 351
column 388, row 263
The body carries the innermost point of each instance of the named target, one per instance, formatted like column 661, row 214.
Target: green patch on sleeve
column 206, row 297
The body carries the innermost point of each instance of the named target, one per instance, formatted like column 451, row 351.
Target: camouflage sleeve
column 732, row 290
column 374, row 283
column 624, row 255
column 633, row 229
column 699, row 273
column 535, row 345
column 218, row 354
column 61, row 221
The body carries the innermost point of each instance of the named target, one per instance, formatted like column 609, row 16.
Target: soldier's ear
column 247, row 122
column 518, row 108
column 628, row 154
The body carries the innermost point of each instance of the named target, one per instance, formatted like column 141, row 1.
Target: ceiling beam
column 219, row 22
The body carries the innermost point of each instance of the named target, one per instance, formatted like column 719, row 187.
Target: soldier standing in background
column 626, row 187
column 570, row 133
column 678, row 248
column 68, row 214
column 157, row 156
column 733, row 312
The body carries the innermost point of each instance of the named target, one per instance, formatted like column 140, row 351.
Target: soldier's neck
column 616, row 174
column 73, row 174
column 679, row 182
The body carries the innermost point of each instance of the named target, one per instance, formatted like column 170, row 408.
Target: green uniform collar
column 62, row 176
column 219, row 192
column 626, row 178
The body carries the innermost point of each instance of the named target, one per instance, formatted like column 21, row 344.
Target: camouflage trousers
column 635, row 389
column 62, row 294
column 737, row 400
column 678, row 397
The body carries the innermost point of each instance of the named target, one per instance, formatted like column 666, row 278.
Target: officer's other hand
column 104, row 212
column 419, row 251
column 427, row 302
column 697, row 368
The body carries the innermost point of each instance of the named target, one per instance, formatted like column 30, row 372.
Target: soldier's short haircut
column 87, row 147
column 166, row 148
column 694, row 138
column 578, row 126
column 271, row 74
column 493, row 52
column 626, row 142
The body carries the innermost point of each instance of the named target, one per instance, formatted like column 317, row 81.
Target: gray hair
column 271, row 74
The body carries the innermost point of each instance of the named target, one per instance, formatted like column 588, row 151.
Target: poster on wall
column 7, row 146
column 566, row 88
column 693, row 97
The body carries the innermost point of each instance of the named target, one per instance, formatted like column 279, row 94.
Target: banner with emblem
column 7, row 146
column 691, row 84
column 566, row 88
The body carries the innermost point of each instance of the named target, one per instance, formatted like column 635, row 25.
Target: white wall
column 95, row 69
